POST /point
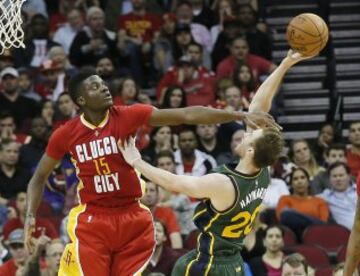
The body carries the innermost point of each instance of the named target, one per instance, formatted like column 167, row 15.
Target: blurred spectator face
column 10, row 84
column 66, row 105
column 206, row 132
column 176, row 98
column 301, row 152
column 183, row 38
column 299, row 183
column 47, row 110
column 105, row 68
column 168, row 24
column 184, row 13
column 128, row 89
column 18, row 252
column 160, row 235
column 189, row 71
column 138, row 4
column 25, row 82
column 233, row 97
column 39, row 25
column 335, row 155
column 244, row 74
column 239, row 49
column 75, row 19
column 96, row 21
column 7, row 125
column 51, row 77
column 53, row 255
column 236, row 139
column 339, row 179
column 187, row 142
column 288, row 270
column 151, row 196
column 163, row 135
column 273, row 240
column 326, row 134
column 57, row 54
column 166, row 163
column 21, row 202
column 247, row 16
column 38, row 128
column 354, row 134
column 225, row 8
column 10, row 154
column 194, row 51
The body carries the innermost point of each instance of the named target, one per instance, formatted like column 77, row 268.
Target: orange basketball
column 307, row 33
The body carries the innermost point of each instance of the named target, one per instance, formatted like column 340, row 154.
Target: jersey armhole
column 236, row 201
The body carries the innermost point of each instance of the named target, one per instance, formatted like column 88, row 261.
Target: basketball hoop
column 11, row 32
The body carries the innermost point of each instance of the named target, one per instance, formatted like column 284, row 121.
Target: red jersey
column 105, row 177
column 136, row 25
column 353, row 161
column 8, row 268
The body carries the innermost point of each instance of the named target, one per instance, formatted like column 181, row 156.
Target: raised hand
column 129, row 150
column 294, row 57
column 260, row 120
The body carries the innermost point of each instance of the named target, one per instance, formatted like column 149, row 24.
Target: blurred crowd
column 168, row 53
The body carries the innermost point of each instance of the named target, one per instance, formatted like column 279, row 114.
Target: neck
column 302, row 194
column 209, row 144
column 273, row 255
column 95, row 118
column 12, row 96
column 9, row 170
column 355, row 149
column 246, row 167
column 188, row 158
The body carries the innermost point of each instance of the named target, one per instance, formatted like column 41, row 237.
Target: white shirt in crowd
column 276, row 189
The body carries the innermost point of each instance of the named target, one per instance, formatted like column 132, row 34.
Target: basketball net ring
column 11, row 32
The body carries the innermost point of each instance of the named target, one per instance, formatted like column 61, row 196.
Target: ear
column 81, row 101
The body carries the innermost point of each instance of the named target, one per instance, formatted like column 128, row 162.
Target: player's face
column 288, row 270
column 273, row 241
column 96, row 94
column 248, row 140
column 354, row 134
column 336, row 156
column 339, row 179
column 300, row 183
column 166, row 163
column 301, row 152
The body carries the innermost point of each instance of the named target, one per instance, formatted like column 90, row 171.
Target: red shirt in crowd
column 353, row 160
column 143, row 26
column 168, row 217
column 104, row 175
column 259, row 66
column 8, row 268
column 199, row 90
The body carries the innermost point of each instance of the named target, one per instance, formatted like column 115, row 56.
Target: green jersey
column 223, row 233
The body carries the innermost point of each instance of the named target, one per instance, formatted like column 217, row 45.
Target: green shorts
column 193, row 265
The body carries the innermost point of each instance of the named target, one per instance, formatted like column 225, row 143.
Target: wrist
column 135, row 161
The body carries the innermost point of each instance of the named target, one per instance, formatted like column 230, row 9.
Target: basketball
column 307, row 33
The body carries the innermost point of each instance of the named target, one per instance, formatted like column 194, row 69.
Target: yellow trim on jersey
column 70, row 261
column 246, row 177
column 211, row 222
column 190, row 264
column 90, row 125
column 199, row 213
column 211, row 252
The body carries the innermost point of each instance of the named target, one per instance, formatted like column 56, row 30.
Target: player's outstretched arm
column 353, row 247
column 35, row 192
column 206, row 186
column 265, row 94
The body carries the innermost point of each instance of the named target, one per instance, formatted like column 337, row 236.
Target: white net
column 11, row 32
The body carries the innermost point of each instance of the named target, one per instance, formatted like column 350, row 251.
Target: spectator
column 8, row 129
column 221, row 86
column 334, row 153
column 12, row 101
column 65, row 34
column 199, row 56
column 199, row 87
column 59, row 56
column 127, row 93
column 30, row 154
column 304, row 158
column 26, row 85
column 164, row 257
column 4, row 252
column 208, row 140
column 174, row 97
column 270, row 262
column 47, row 112
column 353, row 152
column 18, row 252
column 66, row 110
column 300, row 210
column 244, row 79
column 341, row 197
column 6, row 59
column 33, row 7
column 189, row 160
column 325, row 138
column 180, row 203
column 37, row 44
column 106, row 70
column 43, row 226
column 239, row 50
column 94, row 41
column 184, row 15
column 164, row 214
column 234, row 100
column 137, row 29
column 13, row 179
column 182, row 39
column 202, row 14
column 259, row 42
column 231, row 157
column 295, row 264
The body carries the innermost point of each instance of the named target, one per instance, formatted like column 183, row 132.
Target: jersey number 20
column 243, row 222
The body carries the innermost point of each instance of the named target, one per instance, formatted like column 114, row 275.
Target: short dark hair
column 194, row 43
column 295, row 260
column 6, row 114
column 339, row 164
column 335, row 147
column 164, row 153
column 276, row 226
column 74, row 86
column 353, row 123
column 268, row 147
column 239, row 38
column 5, row 142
